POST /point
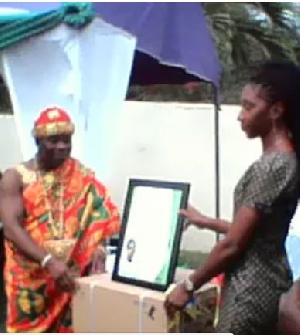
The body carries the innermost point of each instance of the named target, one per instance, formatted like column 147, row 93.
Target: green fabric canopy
column 18, row 27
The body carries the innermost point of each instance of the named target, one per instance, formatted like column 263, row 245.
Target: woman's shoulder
column 280, row 163
column 277, row 159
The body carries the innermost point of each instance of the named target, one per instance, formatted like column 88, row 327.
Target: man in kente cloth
column 55, row 216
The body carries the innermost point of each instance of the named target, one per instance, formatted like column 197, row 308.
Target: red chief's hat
column 53, row 121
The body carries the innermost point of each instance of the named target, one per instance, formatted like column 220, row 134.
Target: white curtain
column 84, row 71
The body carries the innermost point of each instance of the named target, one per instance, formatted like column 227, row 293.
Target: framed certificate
column 150, row 234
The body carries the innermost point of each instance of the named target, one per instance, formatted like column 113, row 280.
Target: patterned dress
column 256, row 281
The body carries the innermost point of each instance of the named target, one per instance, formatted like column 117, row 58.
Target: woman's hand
column 177, row 300
column 194, row 217
column 289, row 307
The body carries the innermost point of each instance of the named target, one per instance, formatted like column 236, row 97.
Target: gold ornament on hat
column 53, row 114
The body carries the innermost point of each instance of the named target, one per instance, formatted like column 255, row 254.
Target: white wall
column 169, row 141
column 236, row 154
column 10, row 151
column 172, row 141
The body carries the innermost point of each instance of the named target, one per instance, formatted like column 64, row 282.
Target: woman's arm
column 222, row 256
column 217, row 225
column 228, row 249
column 201, row 221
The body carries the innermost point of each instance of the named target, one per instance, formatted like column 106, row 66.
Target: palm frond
column 253, row 30
column 278, row 13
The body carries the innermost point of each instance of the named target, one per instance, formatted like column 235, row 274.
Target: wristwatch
column 189, row 285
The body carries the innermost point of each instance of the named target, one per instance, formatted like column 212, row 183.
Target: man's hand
column 62, row 275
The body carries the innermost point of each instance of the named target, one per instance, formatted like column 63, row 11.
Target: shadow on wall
column 2, row 285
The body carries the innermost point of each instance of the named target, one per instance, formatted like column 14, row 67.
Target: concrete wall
column 10, row 152
column 172, row 141
column 169, row 141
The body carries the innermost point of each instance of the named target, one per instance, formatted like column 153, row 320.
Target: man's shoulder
column 21, row 166
column 11, row 173
column 11, row 179
column 23, row 172
column 86, row 171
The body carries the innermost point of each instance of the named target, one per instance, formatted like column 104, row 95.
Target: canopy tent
column 178, row 39
column 60, row 66
column 174, row 34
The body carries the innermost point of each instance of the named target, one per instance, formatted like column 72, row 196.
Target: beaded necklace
column 57, row 228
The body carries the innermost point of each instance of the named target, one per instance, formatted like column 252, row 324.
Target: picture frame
column 150, row 234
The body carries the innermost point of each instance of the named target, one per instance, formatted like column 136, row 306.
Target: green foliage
column 191, row 259
column 250, row 32
column 180, row 93
column 245, row 34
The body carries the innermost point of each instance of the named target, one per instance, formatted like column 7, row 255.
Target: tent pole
column 217, row 153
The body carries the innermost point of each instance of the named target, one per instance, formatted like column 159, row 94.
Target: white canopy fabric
column 84, row 71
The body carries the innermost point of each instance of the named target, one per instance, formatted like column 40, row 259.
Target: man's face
column 54, row 150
